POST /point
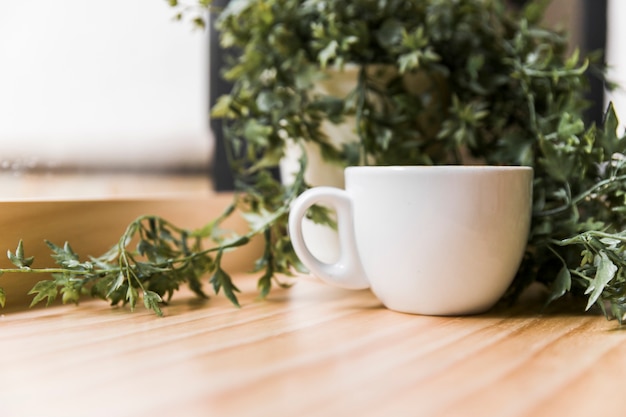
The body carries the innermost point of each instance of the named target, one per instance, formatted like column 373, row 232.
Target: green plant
column 500, row 90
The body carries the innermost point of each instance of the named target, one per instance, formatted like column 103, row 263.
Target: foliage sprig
column 153, row 257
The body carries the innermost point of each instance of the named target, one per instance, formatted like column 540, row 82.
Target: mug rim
column 439, row 168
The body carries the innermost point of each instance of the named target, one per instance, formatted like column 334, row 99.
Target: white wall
column 114, row 82
column 616, row 55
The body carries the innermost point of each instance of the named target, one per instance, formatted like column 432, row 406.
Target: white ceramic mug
column 442, row 240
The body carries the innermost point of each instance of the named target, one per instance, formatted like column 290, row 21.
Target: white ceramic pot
column 323, row 240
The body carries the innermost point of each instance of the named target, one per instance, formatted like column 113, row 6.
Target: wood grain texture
column 311, row 350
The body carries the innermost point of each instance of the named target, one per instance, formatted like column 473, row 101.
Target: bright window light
column 113, row 83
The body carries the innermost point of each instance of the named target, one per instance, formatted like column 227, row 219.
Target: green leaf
column 605, row 272
column 328, row 53
column 151, row 301
column 255, row 132
column 19, row 252
column 391, row 33
column 222, row 109
column 117, row 284
column 610, row 140
column 570, row 126
column 200, row 23
column 409, row 61
column 146, row 269
column 331, row 106
column 561, row 285
column 131, row 296
column 44, row 289
column 619, row 311
column 322, row 215
column 534, row 10
column 3, row 297
column 18, row 258
column 64, row 256
column 475, row 64
column 259, row 220
column 221, row 280
column 266, row 101
column 196, row 286
column 557, row 163
column 264, row 284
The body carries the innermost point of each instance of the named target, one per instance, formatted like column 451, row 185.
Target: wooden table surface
column 311, row 350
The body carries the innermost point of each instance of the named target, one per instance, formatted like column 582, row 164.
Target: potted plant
column 437, row 83
column 469, row 81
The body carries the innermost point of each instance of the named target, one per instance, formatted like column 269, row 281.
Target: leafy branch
column 153, row 257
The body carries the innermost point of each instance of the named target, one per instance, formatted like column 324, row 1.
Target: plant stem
column 591, row 233
column 580, row 197
column 44, row 271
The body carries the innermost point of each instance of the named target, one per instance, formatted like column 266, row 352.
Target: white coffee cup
column 442, row 240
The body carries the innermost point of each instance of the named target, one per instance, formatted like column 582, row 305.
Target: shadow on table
column 532, row 303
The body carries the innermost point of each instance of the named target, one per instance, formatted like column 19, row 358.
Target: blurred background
column 119, row 86
column 94, row 86
column 102, row 83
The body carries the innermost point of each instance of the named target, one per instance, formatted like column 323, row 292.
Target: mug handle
column 347, row 272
